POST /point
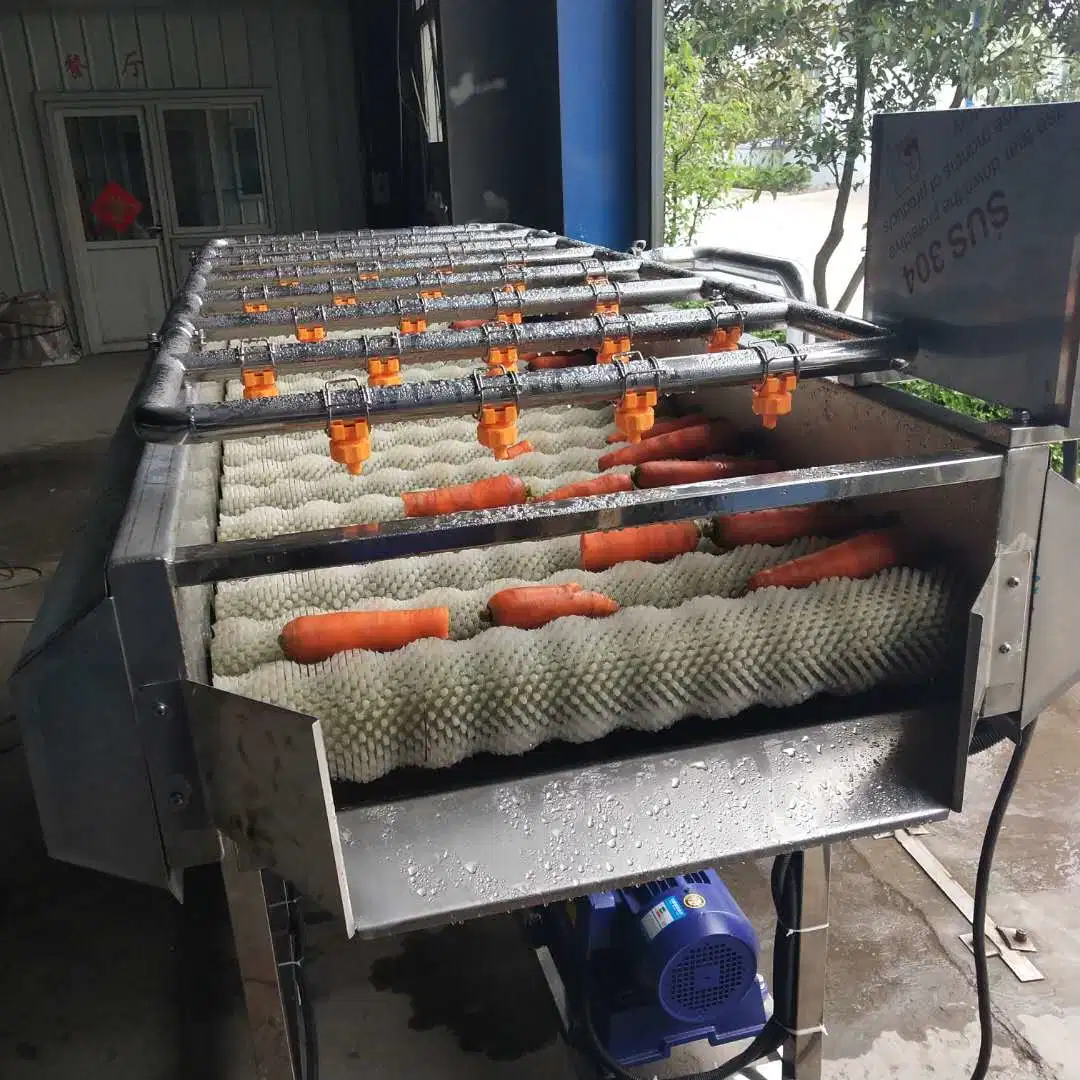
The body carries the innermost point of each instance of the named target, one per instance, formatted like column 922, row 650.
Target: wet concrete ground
column 102, row 978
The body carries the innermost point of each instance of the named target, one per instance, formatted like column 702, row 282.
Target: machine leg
column 802, row 1053
column 250, row 895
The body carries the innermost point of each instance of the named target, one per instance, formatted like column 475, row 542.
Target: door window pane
column 236, row 142
column 216, row 167
column 188, row 139
column 109, row 170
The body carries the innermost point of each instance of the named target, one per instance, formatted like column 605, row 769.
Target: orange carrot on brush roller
column 641, row 543
column 484, row 494
column 665, row 427
column 553, row 361
column 860, row 557
column 652, row 474
column 777, row 526
column 531, row 606
column 311, row 638
column 691, row 442
column 600, row 485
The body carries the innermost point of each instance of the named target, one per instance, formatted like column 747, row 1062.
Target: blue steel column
column 596, row 103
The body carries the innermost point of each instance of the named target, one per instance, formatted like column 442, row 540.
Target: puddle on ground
column 478, row 980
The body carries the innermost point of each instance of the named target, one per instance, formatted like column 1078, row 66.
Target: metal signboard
column 973, row 248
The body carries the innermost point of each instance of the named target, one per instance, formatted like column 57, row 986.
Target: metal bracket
column 268, row 784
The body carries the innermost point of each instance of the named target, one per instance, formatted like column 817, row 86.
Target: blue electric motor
column 660, row 964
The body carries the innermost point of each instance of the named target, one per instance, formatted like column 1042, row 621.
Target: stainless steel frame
column 180, row 770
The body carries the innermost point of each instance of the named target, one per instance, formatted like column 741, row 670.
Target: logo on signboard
column 115, row 207
column 907, row 163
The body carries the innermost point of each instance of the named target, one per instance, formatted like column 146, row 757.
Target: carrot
column 312, row 638
column 600, row 485
column 546, row 361
column 480, row 495
column 776, row 526
column 519, row 448
column 642, row 543
column 691, row 442
column 532, row 606
column 652, row 474
column 665, row 427
column 860, row 557
column 467, row 324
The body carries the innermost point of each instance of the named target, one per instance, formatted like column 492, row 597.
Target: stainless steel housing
column 142, row 768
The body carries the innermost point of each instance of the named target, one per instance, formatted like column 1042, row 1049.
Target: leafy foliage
column 817, row 70
column 786, row 176
column 702, row 127
column 969, row 406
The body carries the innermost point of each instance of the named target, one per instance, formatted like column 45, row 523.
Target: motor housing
column 659, row 964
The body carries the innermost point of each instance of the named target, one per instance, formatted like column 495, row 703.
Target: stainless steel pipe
column 318, row 240
column 456, row 397
column 347, row 267
column 446, row 249
column 316, row 236
column 221, row 301
column 445, row 344
column 488, row 306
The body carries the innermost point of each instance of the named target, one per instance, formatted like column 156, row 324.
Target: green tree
column 702, row 127
column 844, row 60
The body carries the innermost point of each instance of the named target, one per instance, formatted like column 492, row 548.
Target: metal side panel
column 478, row 850
column 1053, row 655
column 268, row 784
column 83, row 748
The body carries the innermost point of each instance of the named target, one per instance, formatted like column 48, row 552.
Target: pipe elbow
column 162, row 423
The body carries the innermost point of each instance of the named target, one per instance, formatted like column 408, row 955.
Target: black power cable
column 982, row 891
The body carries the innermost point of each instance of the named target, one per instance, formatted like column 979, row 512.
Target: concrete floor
column 101, row 978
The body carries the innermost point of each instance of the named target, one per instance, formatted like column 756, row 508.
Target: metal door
column 111, row 210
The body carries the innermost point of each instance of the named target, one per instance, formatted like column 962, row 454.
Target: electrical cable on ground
column 982, row 890
column 305, row 1005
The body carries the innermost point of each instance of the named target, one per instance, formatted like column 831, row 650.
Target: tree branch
column 843, row 191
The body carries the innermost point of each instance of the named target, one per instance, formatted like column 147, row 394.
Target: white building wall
column 301, row 53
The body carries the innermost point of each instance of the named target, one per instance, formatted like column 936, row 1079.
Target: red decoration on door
column 74, row 65
column 116, row 208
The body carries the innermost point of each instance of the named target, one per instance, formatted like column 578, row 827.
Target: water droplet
column 792, row 804
column 656, row 808
column 637, row 843
column 411, row 871
column 674, row 781
column 588, row 822
column 471, row 867
column 421, row 892
column 742, row 780
column 562, row 869
column 556, row 833
column 667, row 801
column 547, row 866
column 818, row 748
column 698, row 765
column 806, row 738
column 745, row 802
column 612, row 842
column 789, row 750
column 580, row 869
column 613, row 831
